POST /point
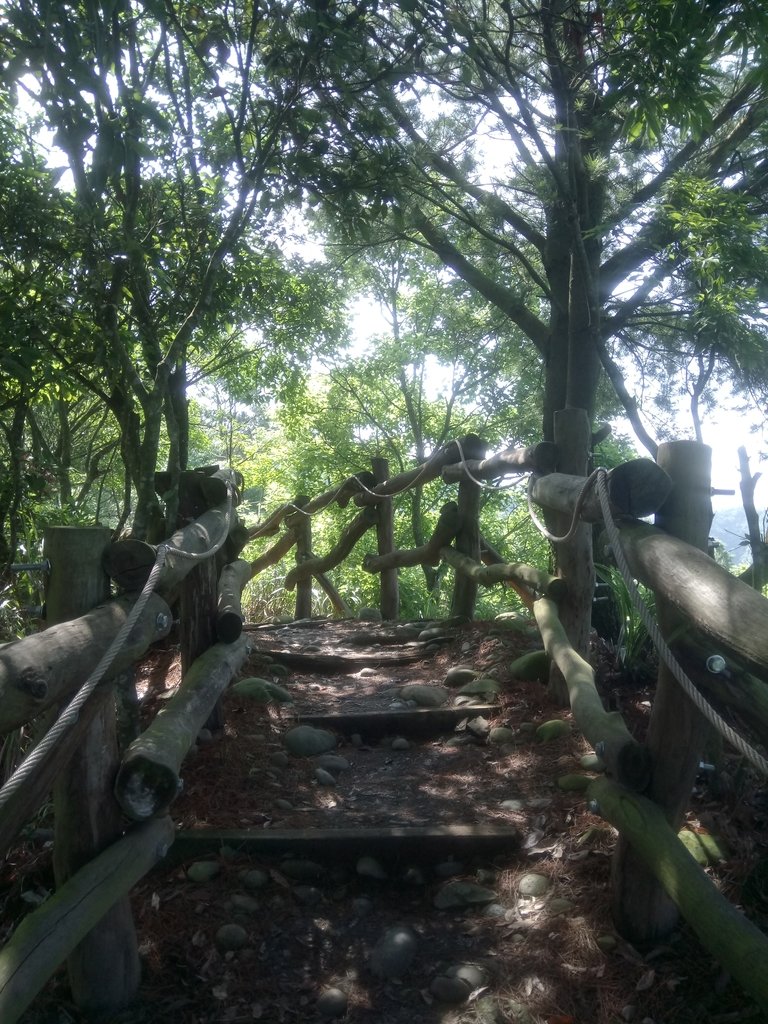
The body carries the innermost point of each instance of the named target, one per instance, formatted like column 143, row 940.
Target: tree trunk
column 574, row 557
column 467, row 540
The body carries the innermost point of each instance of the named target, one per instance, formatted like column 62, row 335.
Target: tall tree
column 173, row 126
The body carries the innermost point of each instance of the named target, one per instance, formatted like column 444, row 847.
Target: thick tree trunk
column 573, row 435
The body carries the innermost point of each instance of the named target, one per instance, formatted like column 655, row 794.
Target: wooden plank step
column 414, row 722
column 414, row 843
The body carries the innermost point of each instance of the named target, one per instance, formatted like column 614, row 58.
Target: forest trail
column 432, row 866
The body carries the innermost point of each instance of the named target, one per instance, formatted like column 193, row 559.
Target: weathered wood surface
column 272, row 555
column 349, row 536
column 412, row 844
column 501, row 572
column 467, row 540
column 44, row 669
column 573, row 556
column 413, row 722
column 301, row 524
column 49, row 934
column 739, row 946
column 728, row 611
column 201, row 489
column 130, row 562
column 342, row 494
column 271, row 525
column 229, row 611
column 733, row 688
column 148, row 779
column 677, row 730
column 103, row 969
column 197, row 624
column 427, row 554
column 389, row 599
column 75, row 582
column 636, row 488
column 538, row 458
column 624, row 757
column 430, row 470
column 24, row 803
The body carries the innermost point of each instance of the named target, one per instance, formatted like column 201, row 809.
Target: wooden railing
column 42, row 671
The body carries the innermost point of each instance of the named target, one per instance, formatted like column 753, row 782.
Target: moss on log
column 48, row 935
column 44, row 669
column 148, row 778
column 734, row 941
column 229, row 613
column 624, row 757
column 490, row 575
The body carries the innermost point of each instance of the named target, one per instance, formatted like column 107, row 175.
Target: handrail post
column 104, row 970
column 301, row 524
column 468, row 538
column 389, row 594
column 677, row 730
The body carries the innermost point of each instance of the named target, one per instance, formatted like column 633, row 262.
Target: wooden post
column 468, row 538
column 573, row 436
column 301, row 524
column 198, row 606
column 677, row 731
column 385, row 536
column 104, row 970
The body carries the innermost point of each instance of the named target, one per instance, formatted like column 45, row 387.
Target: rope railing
column 665, row 652
column 71, row 713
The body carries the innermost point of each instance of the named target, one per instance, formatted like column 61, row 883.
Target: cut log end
column 144, row 788
column 229, row 626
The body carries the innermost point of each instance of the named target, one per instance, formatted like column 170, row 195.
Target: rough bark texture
column 49, row 934
column 103, row 969
column 574, row 556
column 43, row 669
column 385, row 543
column 427, row 554
column 148, row 779
column 625, row 759
column 637, row 488
column 677, row 731
column 738, row 945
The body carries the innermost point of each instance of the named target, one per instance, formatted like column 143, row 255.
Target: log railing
column 44, row 670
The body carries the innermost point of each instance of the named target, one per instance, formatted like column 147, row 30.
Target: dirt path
column 311, row 921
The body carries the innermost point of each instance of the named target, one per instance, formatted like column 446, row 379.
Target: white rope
column 589, row 483
column 71, row 713
column 660, row 643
